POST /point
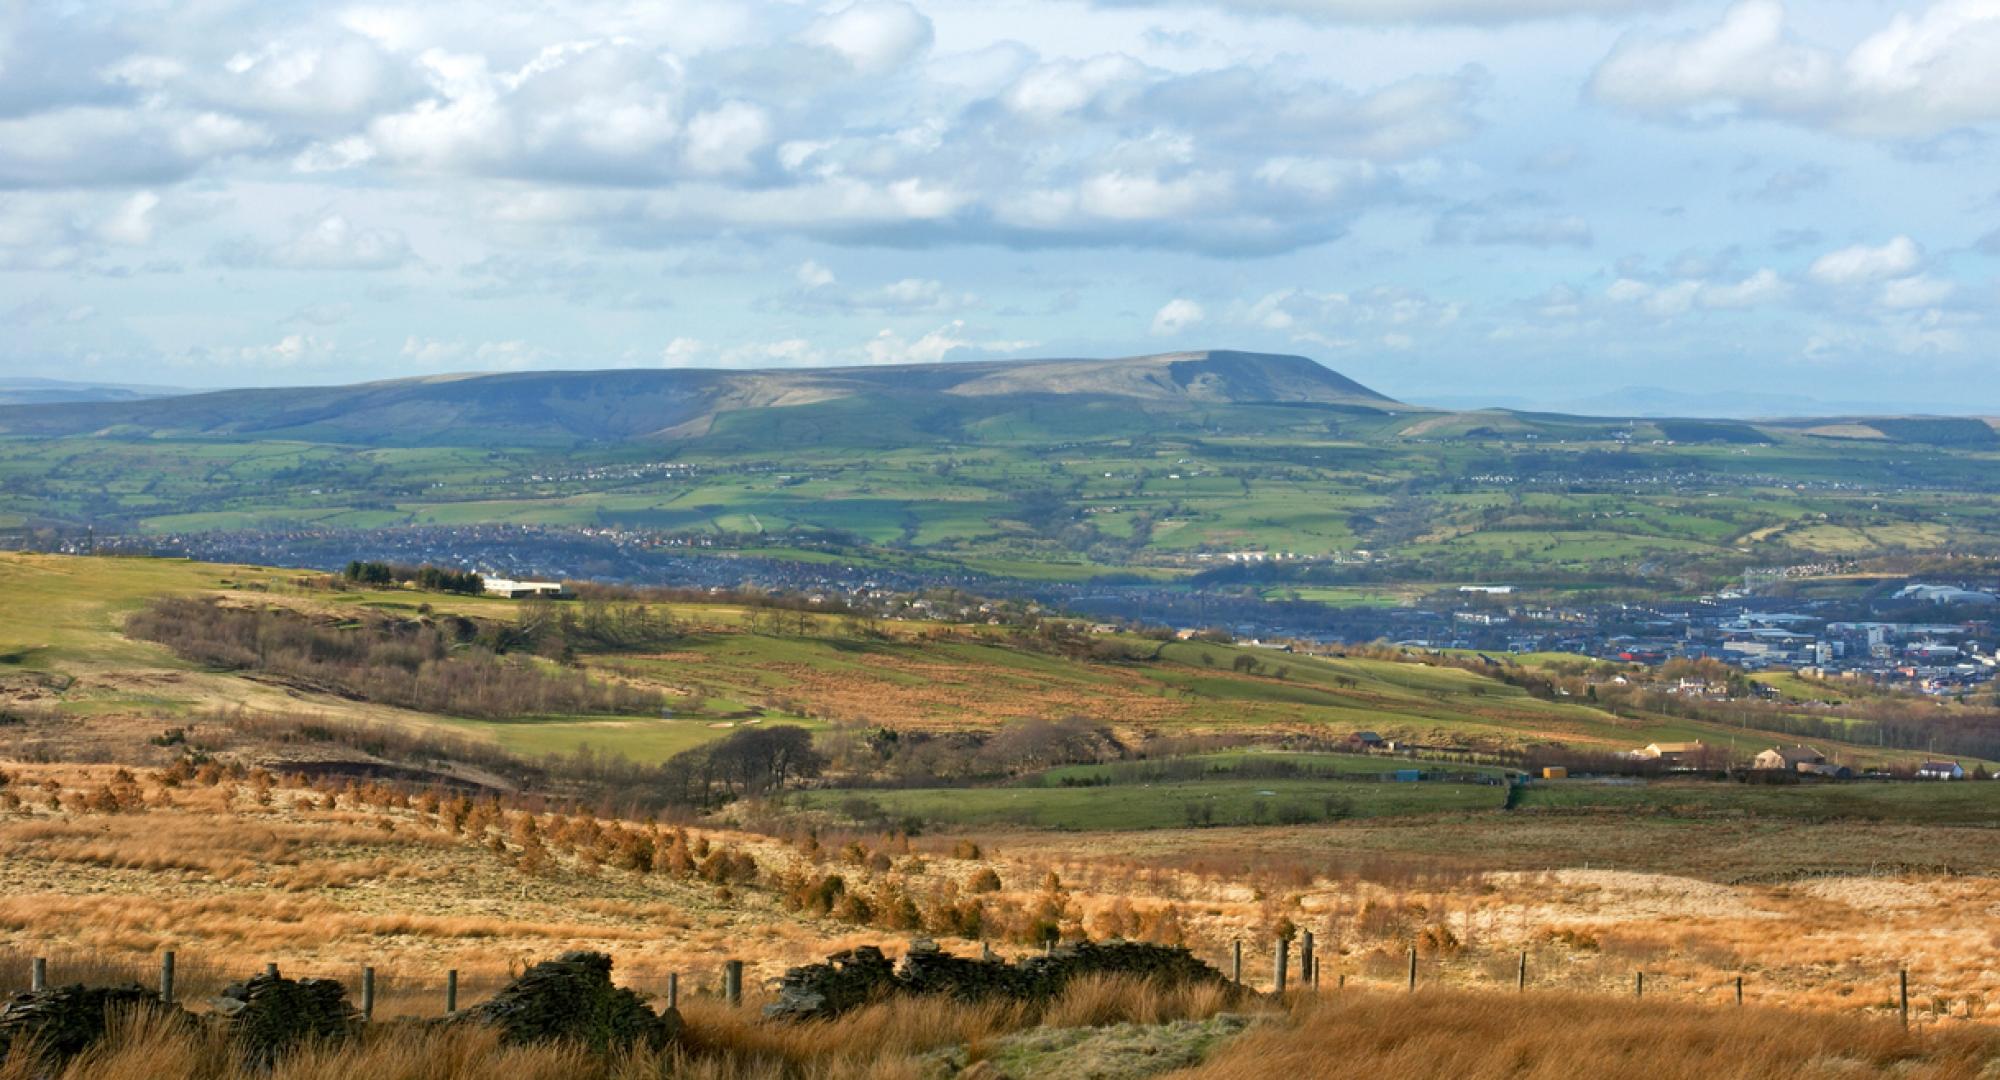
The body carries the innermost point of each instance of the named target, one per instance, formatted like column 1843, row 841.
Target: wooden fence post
column 1521, row 973
column 1413, row 967
column 271, row 971
column 1282, row 958
column 1903, row 994
column 1638, row 984
column 367, row 993
column 674, row 990
column 1306, row 957
column 167, row 977
column 38, row 975
column 732, row 981
column 1739, row 990
column 1236, row 968
column 451, row 991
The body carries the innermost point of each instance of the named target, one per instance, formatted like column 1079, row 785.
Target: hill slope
column 638, row 404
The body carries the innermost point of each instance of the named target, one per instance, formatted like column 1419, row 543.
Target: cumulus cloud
column 890, row 347
column 1862, row 264
column 1678, row 297
column 1411, row 11
column 89, row 146
column 873, row 36
column 1916, row 77
column 1177, row 316
column 1917, row 291
column 327, row 241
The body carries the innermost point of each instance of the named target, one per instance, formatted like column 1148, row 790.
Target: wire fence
column 1299, row 966
column 385, row 992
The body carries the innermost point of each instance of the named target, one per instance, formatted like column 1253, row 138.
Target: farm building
column 522, row 590
column 1366, row 740
column 1788, row 758
column 1940, row 770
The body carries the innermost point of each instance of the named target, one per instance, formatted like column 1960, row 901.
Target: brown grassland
column 324, row 880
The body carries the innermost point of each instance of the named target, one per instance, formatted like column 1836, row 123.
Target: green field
column 1936, row 803
column 1163, row 806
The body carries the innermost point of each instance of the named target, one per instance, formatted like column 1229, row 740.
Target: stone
column 64, row 1021
column 571, row 998
column 269, row 1016
column 853, row 978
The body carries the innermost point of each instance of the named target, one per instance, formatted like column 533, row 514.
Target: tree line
column 431, row 666
column 427, row 577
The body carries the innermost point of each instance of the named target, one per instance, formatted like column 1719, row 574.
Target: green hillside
column 1059, row 469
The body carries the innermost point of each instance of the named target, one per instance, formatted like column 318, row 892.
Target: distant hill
column 628, row 404
column 25, row 391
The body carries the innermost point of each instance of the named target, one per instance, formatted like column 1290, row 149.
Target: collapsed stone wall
column 570, row 998
column 269, row 1015
column 855, row 977
column 64, row 1021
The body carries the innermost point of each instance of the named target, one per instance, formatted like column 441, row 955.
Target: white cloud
column 889, row 347
column 1916, row 292
column 1177, row 316
column 1918, row 76
column 682, row 352
column 721, row 140
column 1761, row 287
column 1862, row 264
column 812, row 275
column 325, row 241
column 96, row 145
column 874, row 37
column 1411, row 11
column 133, row 223
column 1680, row 296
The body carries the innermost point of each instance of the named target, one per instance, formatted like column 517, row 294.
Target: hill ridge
column 615, row 404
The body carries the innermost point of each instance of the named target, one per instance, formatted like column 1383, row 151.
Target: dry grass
column 1468, row 1036
column 1475, row 1036
column 230, row 880
column 886, row 1040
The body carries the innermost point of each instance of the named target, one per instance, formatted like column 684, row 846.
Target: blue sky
column 1514, row 200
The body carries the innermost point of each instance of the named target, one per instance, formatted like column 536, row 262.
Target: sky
column 1516, row 201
